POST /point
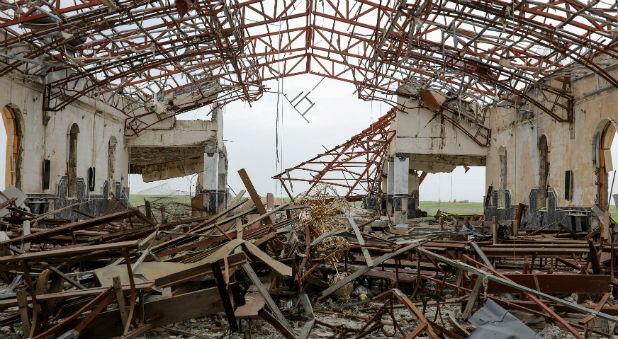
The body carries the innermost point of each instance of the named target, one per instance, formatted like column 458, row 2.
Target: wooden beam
column 460, row 265
column 41, row 236
column 365, row 269
column 472, row 299
column 225, row 297
column 160, row 312
column 255, row 197
column 70, row 251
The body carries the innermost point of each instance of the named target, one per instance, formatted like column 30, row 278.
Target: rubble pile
column 315, row 267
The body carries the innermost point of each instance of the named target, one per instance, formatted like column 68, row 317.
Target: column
column 211, row 181
column 390, row 184
column 400, row 187
column 413, row 195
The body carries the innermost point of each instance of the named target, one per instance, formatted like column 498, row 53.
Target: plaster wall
column 433, row 145
column 45, row 136
column 570, row 146
column 180, row 134
column 164, row 152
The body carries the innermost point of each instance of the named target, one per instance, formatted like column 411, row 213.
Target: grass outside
column 431, row 207
column 138, row 199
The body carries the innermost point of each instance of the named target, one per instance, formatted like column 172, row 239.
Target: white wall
column 50, row 141
column 419, row 133
column 570, row 146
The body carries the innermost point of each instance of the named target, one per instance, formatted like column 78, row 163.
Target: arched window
column 603, row 142
column 12, row 175
column 72, row 161
column 111, row 161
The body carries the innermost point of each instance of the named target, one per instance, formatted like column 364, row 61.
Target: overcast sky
column 337, row 115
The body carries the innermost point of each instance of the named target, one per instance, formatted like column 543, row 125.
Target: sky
column 250, row 138
column 249, row 133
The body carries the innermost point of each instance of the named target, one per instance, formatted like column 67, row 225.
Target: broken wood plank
column 361, row 241
column 41, row 236
column 225, row 297
column 268, row 299
column 159, row 313
column 68, row 252
column 478, row 284
column 257, row 200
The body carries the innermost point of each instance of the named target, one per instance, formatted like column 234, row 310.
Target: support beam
column 255, row 197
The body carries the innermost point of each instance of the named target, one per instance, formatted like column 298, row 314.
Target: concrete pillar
column 212, row 181
column 222, row 173
column 401, row 178
column 211, row 170
column 222, row 183
column 210, row 189
column 413, row 188
column 390, row 185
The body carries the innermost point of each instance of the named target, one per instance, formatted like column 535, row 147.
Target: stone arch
column 602, row 142
column 13, row 124
column 72, row 160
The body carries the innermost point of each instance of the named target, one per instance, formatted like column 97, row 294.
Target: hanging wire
column 281, row 150
column 277, row 126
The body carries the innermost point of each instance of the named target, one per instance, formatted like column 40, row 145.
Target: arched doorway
column 604, row 138
column 72, row 161
column 12, row 175
column 543, row 171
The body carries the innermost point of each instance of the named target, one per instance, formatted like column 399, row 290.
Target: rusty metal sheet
column 554, row 283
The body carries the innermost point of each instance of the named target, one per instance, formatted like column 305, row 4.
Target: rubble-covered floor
column 318, row 267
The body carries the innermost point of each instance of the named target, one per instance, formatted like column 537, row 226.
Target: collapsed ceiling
column 139, row 55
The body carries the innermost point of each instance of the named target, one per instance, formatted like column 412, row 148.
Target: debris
column 307, row 269
column 493, row 321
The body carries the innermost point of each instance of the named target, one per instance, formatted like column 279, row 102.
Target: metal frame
column 130, row 53
column 355, row 166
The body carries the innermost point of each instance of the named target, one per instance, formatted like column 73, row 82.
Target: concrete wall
column 45, row 136
column 423, row 142
column 174, row 151
column 433, row 145
column 167, row 149
column 570, row 146
column 516, row 134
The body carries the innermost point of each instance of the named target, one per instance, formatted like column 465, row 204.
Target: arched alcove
column 11, row 118
column 604, row 137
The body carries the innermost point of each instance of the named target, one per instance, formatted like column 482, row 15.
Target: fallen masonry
column 315, row 267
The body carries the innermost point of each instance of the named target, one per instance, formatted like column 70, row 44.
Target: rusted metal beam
column 255, row 197
column 80, row 225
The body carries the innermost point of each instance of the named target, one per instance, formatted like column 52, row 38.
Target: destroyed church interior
column 95, row 92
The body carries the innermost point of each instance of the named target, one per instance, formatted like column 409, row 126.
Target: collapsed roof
column 140, row 55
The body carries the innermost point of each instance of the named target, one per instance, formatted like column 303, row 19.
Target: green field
column 431, row 207
column 138, row 199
